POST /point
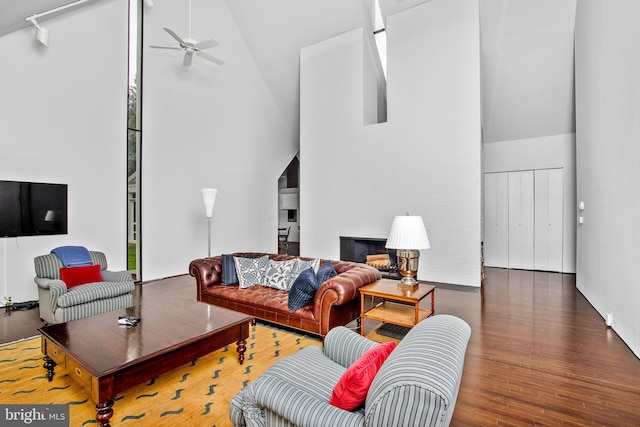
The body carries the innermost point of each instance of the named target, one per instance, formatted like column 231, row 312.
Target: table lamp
column 408, row 235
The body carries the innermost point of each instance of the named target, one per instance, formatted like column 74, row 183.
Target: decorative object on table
column 209, row 200
column 408, row 235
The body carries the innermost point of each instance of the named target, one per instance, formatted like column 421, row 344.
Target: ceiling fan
column 191, row 46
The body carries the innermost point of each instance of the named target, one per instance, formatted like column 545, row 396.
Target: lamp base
column 408, row 267
column 408, row 283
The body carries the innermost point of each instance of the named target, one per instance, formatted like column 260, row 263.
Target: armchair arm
column 46, row 283
column 55, row 287
column 293, row 404
column 344, row 346
column 116, row 276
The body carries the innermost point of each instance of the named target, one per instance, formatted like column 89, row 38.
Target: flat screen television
column 32, row 209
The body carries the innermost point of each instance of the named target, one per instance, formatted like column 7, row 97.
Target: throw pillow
column 278, row 274
column 351, row 390
column 325, row 272
column 76, row 276
column 250, row 270
column 303, row 290
column 303, row 265
column 229, row 275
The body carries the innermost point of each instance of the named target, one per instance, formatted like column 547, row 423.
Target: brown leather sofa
column 337, row 301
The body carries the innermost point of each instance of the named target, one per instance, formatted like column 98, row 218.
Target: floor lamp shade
column 209, row 200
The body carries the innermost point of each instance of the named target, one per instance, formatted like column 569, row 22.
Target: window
column 134, row 138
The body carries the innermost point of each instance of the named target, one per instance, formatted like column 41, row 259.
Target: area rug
column 196, row 394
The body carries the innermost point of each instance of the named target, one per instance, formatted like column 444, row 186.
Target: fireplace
column 363, row 249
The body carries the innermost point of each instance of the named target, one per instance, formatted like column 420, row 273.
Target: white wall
column 608, row 149
column 425, row 160
column 63, row 120
column 206, row 126
column 548, row 152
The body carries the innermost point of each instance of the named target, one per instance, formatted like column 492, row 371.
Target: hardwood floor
column 539, row 354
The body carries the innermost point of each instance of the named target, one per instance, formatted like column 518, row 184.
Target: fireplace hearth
column 363, row 249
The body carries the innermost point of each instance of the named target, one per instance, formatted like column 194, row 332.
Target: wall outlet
column 609, row 319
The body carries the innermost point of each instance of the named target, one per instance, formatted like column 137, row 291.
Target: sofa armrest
column 292, row 404
column 207, row 272
column 344, row 346
column 116, row 276
column 344, row 287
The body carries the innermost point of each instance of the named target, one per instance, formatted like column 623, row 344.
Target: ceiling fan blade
column 166, row 47
column 188, row 57
column 207, row 44
column 175, row 36
column 210, row 58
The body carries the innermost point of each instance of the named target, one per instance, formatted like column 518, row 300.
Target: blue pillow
column 303, row 290
column 325, row 272
column 229, row 275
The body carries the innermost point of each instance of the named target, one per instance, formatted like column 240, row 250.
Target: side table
column 399, row 306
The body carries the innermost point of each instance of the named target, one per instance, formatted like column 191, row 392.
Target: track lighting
column 42, row 34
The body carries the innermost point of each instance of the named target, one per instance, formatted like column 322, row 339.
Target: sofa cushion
column 303, row 290
column 351, row 390
column 251, row 270
column 76, row 276
column 94, row 291
column 278, row 274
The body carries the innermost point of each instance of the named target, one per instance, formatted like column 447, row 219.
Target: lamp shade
column 407, row 232
column 209, row 200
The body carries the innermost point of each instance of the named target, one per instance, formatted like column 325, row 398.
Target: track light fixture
column 42, row 34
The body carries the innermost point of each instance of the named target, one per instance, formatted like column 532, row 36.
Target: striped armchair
column 58, row 304
column 416, row 386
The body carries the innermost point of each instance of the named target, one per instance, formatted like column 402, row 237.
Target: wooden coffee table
column 107, row 358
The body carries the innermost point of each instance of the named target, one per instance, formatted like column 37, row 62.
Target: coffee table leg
column 104, row 413
column 49, row 364
column 242, row 347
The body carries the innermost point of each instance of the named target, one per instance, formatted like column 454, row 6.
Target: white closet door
column 496, row 220
column 521, row 220
column 548, row 219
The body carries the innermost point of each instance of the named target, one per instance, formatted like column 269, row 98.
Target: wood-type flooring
column 539, row 353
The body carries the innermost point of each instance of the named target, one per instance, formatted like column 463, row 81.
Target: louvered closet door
column 521, row 220
column 496, row 220
column 548, row 219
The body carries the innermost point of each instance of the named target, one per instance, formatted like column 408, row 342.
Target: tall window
column 134, row 137
column 380, row 35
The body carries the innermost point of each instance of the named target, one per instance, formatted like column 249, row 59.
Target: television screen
column 32, row 208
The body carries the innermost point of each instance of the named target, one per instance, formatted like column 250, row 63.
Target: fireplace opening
column 371, row 251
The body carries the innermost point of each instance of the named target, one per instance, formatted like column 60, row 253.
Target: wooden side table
column 399, row 306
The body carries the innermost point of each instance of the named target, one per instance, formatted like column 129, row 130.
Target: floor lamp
column 209, row 200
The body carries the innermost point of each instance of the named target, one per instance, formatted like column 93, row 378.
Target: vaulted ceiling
column 527, row 52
